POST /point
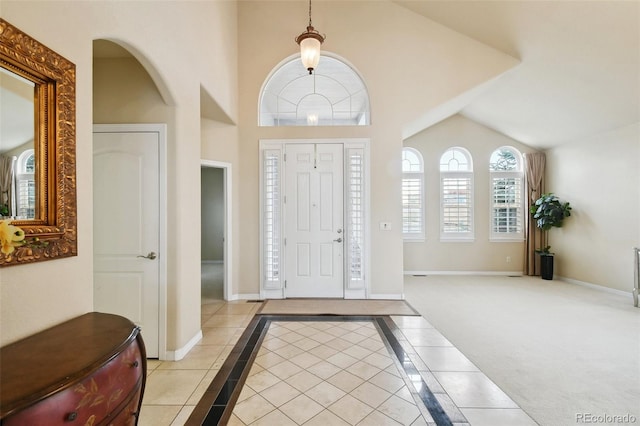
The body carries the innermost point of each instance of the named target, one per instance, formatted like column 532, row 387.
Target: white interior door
column 126, row 229
column 314, row 238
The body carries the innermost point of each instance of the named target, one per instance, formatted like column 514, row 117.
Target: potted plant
column 549, row 212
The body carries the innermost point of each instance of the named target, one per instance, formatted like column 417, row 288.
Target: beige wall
column 600, row 177
column 15, row 152
column 33, row 297
column 123, row 92
column 409, row 64
column 481, row 255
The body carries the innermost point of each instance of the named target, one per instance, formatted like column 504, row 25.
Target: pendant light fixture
column 310, row 42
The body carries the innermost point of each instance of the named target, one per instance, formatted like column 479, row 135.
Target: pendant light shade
column 310, row 42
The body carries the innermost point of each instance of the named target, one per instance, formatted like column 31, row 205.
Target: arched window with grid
column 506, row 175
column 334, row 95
column 412, row 194
column 456, row 195
column 26, row 185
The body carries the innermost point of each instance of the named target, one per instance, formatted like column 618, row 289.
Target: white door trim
column 274, row 289
column 228, row 218
column 161, row 129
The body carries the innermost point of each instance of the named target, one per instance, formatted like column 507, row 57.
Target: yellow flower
column 18, row 233
column 6, row 238
column 10, row 237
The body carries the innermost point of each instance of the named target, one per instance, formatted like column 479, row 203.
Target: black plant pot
column 546, row 265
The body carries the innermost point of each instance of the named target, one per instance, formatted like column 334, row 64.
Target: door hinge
column 285, row 199
column 285, row 283
column 285, row 156
column 285, row 241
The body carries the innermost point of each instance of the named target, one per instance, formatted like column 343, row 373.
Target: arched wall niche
column 104, row 48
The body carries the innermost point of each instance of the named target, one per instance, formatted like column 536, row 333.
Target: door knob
column 152, row 255
column 339, row 240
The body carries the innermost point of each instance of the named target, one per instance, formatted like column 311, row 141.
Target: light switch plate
column 385, row 226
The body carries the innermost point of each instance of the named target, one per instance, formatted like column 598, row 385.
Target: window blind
column 355, row 215
column 412, row 206
column 457, row 202
column 272, row 213
column 506, row 204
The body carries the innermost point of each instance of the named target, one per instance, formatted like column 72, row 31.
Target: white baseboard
column 245, row 296
column 518, row 274
column 388, row 296
column 277, row 293
column 488, row 273
column 381, row 296
column 355, row 294
column 595, row 286
column 183, row 351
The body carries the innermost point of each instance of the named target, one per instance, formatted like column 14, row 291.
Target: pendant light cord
column 310, row 13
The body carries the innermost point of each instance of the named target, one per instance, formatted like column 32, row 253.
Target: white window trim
column 417, row 237
column 353, row 289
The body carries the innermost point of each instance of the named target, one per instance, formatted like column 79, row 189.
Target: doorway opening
column 215, row 216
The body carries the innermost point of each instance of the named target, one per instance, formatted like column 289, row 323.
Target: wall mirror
column 37, row 150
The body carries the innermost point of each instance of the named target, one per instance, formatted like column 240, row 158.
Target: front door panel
column 314, row 247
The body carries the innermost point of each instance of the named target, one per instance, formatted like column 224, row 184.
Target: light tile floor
column 336, row 373
column 174, row 387
column 326, row 374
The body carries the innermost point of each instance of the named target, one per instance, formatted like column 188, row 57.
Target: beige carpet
column 336, row 307
column 559, row 350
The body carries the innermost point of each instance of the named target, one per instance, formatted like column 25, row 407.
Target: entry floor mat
column 336, row 307
column 321, row 370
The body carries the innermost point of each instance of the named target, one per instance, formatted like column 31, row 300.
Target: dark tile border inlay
column 216, row 405
column 441, row 418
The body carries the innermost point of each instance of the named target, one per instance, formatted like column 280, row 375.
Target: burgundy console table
column 90, row 370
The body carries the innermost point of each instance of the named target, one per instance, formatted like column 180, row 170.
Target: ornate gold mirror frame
column 52, row 233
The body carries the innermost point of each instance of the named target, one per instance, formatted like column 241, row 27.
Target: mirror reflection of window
column 26, row 185
column 16, row 137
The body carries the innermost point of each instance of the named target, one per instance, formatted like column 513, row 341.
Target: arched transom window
column 334, row 95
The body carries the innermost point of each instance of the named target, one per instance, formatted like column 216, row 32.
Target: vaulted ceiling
column 579, row 73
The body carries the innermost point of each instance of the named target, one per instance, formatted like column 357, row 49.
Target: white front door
column 314, row 238
column 126, row 212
